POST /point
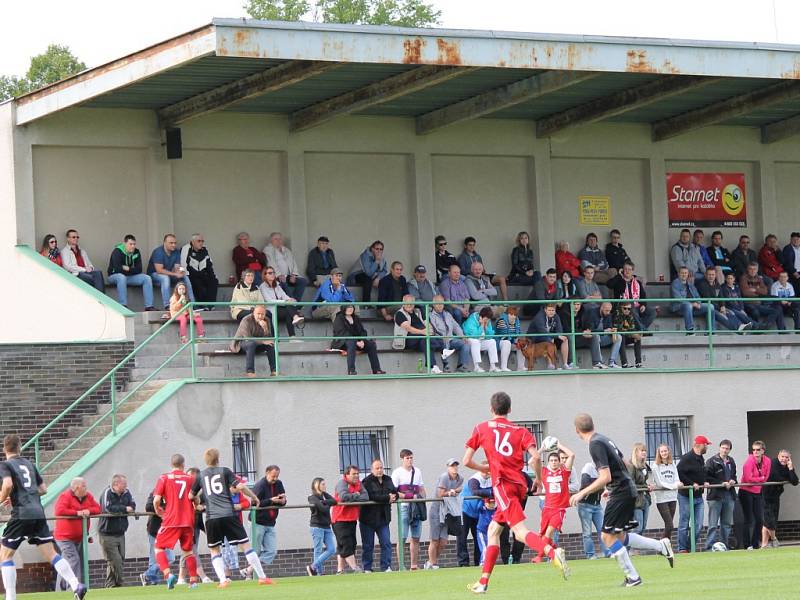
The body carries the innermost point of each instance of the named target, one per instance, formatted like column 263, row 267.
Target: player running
column 217, row 484
column 555, row 478
column 23, row 486
column 618, row 517
column 177, row 520
column 504, row 445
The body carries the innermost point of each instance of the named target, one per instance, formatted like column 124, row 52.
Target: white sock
column 9, row 572
column 624, row 561
column 219, row 567
column 643, row 543
column 62, row 568
column 252, row 559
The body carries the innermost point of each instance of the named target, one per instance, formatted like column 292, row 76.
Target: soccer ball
column 719, row 547
column 549, row 444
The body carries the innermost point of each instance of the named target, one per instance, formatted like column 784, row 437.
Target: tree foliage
column 56, row 63
column 401, row 13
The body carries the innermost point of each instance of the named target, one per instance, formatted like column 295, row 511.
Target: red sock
column 534, row 542
column 163, row 563
column 549, row 542
column 492, row 552
column 191, row 565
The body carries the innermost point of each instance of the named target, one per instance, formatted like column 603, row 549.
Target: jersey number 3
column 213, row 484
column 26, row 474
column 502, row 445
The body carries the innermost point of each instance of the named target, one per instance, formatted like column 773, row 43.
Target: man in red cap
column 692, row 473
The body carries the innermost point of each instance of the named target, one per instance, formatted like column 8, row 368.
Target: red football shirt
column 504, row 445
column 174, row 487
column 556, row 487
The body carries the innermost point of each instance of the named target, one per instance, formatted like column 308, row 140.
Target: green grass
column 765, row 574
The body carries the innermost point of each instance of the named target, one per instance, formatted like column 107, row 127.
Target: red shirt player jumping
column 555, row 479
column 504, row 445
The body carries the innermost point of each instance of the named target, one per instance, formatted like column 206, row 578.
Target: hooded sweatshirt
column 120, row 257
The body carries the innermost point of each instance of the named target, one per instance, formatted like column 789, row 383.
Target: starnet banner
column 706, row 200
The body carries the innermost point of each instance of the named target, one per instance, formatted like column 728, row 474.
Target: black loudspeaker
column 174, row 145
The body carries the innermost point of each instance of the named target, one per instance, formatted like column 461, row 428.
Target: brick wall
column 38, row 381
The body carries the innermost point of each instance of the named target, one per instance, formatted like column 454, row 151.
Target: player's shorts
column 509, row 497
column 618, row 516
column 552, row 517
column 168, row 536
column 225, row 527
column 771, row 510
column 35, row 531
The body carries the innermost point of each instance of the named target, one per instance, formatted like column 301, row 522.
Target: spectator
column 320, row 523
column 270, row 492
column 197, row 260
column 616, row 255
column 590, row 512
column 444, row 324
column 686, row 254
column 790, row 258
column 73, row 502
column 410, row 330
column 408, row 481
column 709, row 288
column 479, row 285
column 255, row 325
column 599, row 327
column 742, row 256
column 769, row 258
column 115, row 499
column 480, row 485
column 281, row 259
column 444, row 259
column 735, row 307
column 347, row 324
column 782, row 469
column 767, row 314
column 755, row 471
column 420, row 287
column 271, row 291
column 782, row 289
column 392, row 288
column 640, row 471
column 692, row 473
column 480, row 336
column 454, row 289
column 566, row 290
column 448, row 487
column 368, row 270
column 689, row 308
column 523, row 269
column 547, row 323
column 545, row 289
column 508, row 326
column 152, row 576
column 125, row 268
column 698, row 241
column 593, row 256
column 331, row 294
column 566, row 260
column 628, row 287
column 719, row 255
column 470, row 255
column 589, row 290
column 51, row 252
column 176, row 305
column 165, row 269
column 246, row 256
column 720, row 470
column 625, row 324
column 375, row 518
column 245, row 291
column 76, row 261
column 344, row 518
column 321, row 262
column 666, row 482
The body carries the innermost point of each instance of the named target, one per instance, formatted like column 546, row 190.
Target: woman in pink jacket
column 755, row 471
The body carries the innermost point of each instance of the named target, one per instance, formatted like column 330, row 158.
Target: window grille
column 361, row 445
column 244, row 453
column 672, row 431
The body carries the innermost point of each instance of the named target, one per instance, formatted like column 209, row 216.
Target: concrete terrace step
column 169, row 373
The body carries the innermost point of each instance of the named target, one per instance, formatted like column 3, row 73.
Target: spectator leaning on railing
column 320, row 524
column 375, row 518
column 73, row 502
column 344, row 518
column 115, row 499
column 270, row 492
column 754, row 472
column 692, row 472
column 720, row 470
column 781, row 469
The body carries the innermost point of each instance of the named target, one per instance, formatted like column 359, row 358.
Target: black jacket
column 725, row 261
column 321, row 510
column 265, row 492
column 315, row 265
column 616, row 256
column 119, row 258
column 715, row 474
column 740, row 260
column 378, row 491
column 521, row 261
column 111, row 502
column 617, row 287
column 691, row 470
column 342, row 329
column 778, row 472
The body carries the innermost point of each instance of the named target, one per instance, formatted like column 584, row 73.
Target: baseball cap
column 420, row 269
column 451, row 462
column 701, row 439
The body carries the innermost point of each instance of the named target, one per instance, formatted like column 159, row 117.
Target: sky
column 98, row 31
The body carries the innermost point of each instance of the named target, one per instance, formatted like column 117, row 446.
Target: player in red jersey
column 177, row 519
column 504, row 445
column 555, row 478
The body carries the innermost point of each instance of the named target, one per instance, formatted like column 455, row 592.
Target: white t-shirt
column 402, row 477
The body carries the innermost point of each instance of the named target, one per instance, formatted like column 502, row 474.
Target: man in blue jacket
column 683, row 288
column 330, row 293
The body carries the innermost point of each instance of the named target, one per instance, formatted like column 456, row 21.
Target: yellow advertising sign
column 594, row 210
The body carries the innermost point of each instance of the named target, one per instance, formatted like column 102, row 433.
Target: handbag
column 453, row 524
column 419, row 510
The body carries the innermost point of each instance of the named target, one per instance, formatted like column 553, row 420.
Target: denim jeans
column 324, row 547
column 689, row 313
column 368, row 546
column 153, row 573
column 603, row 341
column 165, row 282
column 296, row 289
column 720, row 519
column 250, row 348
column 646, row 318
column 461, row 348
column 122, row 282
column 591, row 515
column 683, row 520
column 266, row 543
column 640, row 515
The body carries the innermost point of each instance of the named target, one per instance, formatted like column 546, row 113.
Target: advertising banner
column 706, row 200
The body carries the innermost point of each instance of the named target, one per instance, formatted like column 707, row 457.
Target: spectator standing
column 480, row 336
column 754, row 285
column 444, row 259
column 755, row 471
column 769, row 258
column 245, row 291
column 719, row 255
column 176, row 305
column 523, row 268
column 270, row 492
column 683, row 287
column 197, row 260
column 692, row 473
column 420, row 287
column 125, row 268
column 626, row 326
column 321, row 262
column 246, row 256
column 590, row 513
column 545, row 289
column 443, row 324
column 790, row 258
column 281, row 259
column 73, row 502
column 76, row 261
column 331, row 295
column 593, row 256
column 408, row 481
column 628, row 287
column 782, row 469
column 255, row 325
column 448, row 487
column 410, row 330
column 720, row 470
column 272, row 291
column 344, row 518
column 480, row 485
column 470, row 255
column 509, row 327
column 115, row 499
column 392, row 288
column 640, row 471
column 566, row 260
column 548, row 327
column 710, row 288
column 454, row 289
column 166, row 269
column 347, row 324
column 686, row 254
column 375, row 519
column 742, row 256
column 616, row 255
column 368, row 270
column 666, row 482
column 50, row 250
column 320, row 524
column 782, row 289
column 599, row 327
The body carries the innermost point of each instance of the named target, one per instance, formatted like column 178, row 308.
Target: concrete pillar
column 423, row 213
column 297, row 225
column 768, row 201
column 656, row 220
column 542, row 206
column 8, row 208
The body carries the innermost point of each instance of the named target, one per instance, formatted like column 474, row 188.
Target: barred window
column 537, row 428
column 361, row 445
column 672, row 431
column 245, row 452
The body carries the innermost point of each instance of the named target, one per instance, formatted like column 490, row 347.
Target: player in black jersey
column 22, row 487
column 618, row 517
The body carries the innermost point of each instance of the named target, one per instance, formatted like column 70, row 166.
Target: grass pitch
column 764, row 574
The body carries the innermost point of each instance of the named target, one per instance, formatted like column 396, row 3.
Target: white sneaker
column 599, row 366
column 435, row 369
column 505, row 369
column 298, row 319
column 427, row 566
column 208, row 580
column 479, row 369
column 245, row 573
column 388, row 570
column 447, row 353
column 477, row 588
column 180, row 582
column 613, row 365
column 666, row 551
column 494, row 369
column 568, row 367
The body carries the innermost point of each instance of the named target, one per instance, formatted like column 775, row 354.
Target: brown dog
column 532, row 350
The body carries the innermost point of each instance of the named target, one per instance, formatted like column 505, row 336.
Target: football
column 549, row 444
column 719, row 547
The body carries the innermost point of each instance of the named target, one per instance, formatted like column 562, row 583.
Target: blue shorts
column 416, row 526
